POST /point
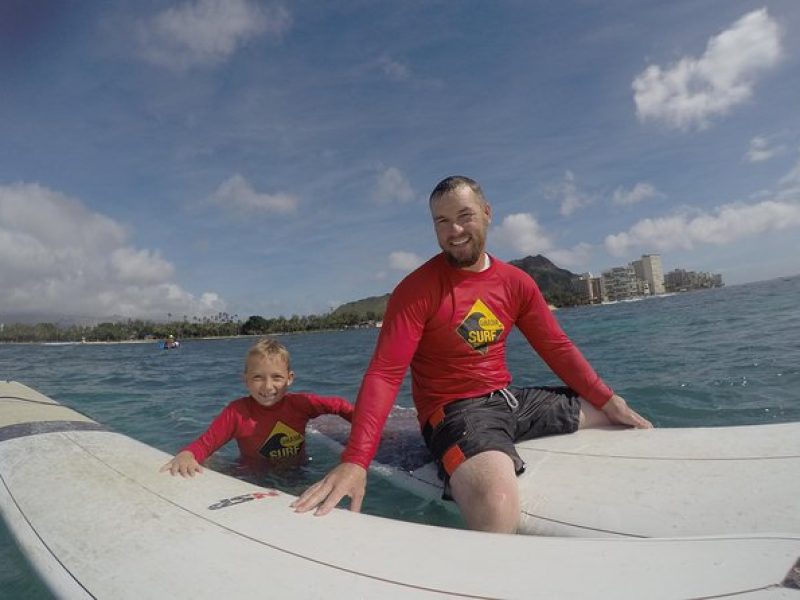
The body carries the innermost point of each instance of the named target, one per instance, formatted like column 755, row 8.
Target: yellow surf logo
column 480, row 328
column 282, row 441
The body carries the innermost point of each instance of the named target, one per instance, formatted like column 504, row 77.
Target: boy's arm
column 183, row 464
column 330, row 405
column 217, row 435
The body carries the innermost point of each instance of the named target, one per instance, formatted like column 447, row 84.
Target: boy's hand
column 347, row 479
column 184, row 464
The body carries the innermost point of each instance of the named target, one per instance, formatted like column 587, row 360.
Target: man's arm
column 557, row 350
column 373, row 404
column 402, row 329
column 548, row 339
column 619, row 413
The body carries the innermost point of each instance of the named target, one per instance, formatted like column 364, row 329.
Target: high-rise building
column 649, row 269
column 590, row 289
column 680, row 280
column 621, row 283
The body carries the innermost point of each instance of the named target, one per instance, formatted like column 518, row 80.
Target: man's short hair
column 452, row 183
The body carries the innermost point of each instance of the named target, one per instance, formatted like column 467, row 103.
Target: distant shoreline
column 117, row 342
column 159, row 341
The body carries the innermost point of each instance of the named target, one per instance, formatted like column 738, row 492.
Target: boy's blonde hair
column 268, row 348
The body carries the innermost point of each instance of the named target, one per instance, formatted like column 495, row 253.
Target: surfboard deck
column 96, row 519
column 626, row 482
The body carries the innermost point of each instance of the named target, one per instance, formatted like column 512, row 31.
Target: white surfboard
column 625, row 482
column 96, row 519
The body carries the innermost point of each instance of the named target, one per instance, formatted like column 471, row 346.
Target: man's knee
column 488, row 498
column 487, row 480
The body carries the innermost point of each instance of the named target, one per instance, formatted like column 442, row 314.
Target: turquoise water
column 727, row 356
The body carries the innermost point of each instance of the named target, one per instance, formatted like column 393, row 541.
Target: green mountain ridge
column 371, row 308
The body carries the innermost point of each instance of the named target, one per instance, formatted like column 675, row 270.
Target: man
column 449, row 321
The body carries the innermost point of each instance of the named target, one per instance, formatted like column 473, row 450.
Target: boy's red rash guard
column 250, row 423
column 451, row 326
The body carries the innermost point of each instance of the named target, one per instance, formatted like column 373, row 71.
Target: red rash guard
column 272, row 432
column 451, row 326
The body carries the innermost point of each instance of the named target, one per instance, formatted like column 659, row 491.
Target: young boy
column 269, row 423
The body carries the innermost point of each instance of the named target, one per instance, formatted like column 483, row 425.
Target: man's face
column 461, row 219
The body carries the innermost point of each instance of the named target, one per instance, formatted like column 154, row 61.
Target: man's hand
column 619, row 413
column 347, row 479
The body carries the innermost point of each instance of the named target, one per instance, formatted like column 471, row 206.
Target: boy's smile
column 267, row 379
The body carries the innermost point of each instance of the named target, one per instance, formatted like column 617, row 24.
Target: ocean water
column 728, row 356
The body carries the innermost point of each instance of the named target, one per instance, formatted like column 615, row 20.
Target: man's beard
column 465, row 261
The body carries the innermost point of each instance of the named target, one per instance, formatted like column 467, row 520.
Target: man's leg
column 591, row 416
column 486, row 491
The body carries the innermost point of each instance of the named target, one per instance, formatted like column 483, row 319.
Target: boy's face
column 267, row 379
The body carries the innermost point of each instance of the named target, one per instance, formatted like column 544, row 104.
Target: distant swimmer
column 171, row 342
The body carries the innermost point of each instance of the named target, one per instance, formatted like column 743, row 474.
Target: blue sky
column 192, row 157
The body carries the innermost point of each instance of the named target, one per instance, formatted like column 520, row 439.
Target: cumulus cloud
column 236, row 194
column 569, row 195
column 393, row 69
column 762, row 149
column 140, row 266
column 392, row 186
column 207, row 32
column 690, row 92
column 789, row 186
column 639, row 193
column 792, row 178
column 726, row 225
column 404, row 261
column 59, row 258
column 571, row 257
column 523, row 233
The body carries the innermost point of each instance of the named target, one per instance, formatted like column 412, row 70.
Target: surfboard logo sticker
column 282, row 442
column 226, row 502
column 480, row 328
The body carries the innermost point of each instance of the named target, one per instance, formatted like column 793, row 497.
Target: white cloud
column 570, row 196
column 236, row 193
column 207, row 32
column 762, row 149
column 789, row 186
column 692, row 91
column 404, row 261
column 523, row 233
column 392, row 186
column 573, row 257
column 140, row 266
column 640, row 192
column 792, row 178
column 728, row 224
column 59, row 258
column 393, row 69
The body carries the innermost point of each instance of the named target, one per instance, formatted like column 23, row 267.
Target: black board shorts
column 497, row 421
